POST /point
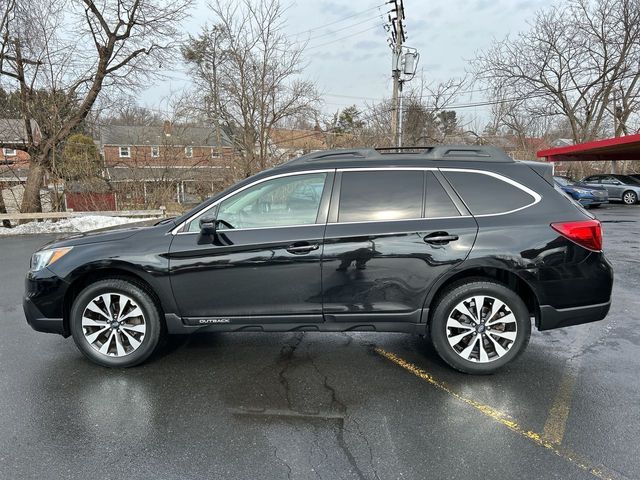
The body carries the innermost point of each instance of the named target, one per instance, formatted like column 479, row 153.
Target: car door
column 390, row 235
column 262, row 264
column 614, row 186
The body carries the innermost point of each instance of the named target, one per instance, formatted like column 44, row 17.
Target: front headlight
column 582, row 191
column 44, row 258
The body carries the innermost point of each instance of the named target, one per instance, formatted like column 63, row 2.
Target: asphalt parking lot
column 327, row 406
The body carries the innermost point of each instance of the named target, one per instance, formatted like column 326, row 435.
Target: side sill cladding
column 176, row 325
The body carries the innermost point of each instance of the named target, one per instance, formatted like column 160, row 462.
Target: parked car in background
column 591, row 197
column 462, row 242
column 620, row 187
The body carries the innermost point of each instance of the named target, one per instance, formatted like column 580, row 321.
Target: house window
column 9, row 152
column 215, row 153
column 155, row 152
column 125, row 152
column 188, row 152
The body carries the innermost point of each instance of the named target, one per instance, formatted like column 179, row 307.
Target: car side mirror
column 208, row 225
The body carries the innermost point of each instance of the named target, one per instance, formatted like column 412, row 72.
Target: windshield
column 563, row 181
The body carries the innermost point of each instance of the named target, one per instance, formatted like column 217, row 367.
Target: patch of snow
column 84, row 223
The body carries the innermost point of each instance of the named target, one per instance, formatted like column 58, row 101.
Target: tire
column 135, row 329
column 629, row 197
column 463, row 352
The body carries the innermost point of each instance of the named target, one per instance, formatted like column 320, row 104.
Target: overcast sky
column 347, row 53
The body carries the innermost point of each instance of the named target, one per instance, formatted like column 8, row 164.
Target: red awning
column 619, row 148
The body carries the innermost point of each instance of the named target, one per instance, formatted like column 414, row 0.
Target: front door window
column 278, row 202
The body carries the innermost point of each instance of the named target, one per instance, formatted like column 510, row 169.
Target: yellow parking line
column 585, row 464
column 557, row 420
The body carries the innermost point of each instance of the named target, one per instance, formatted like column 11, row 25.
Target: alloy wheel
column 481, row 329
column 629, row 198
column 113, row 324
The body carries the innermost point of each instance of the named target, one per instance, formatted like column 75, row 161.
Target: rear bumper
column 551, row 317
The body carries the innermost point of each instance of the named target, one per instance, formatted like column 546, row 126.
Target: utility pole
column 397, row 39
column 614, row 164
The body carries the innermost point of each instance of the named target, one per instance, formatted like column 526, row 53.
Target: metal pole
column 400, row 105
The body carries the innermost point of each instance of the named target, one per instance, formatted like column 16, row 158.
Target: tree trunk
column 31, row 196
column 3, row 209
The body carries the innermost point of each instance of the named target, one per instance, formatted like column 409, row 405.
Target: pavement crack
column 286, row 464
column 286, row 357
column 366, row 441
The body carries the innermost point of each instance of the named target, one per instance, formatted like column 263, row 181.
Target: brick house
column 154, row 165
column 14, row 131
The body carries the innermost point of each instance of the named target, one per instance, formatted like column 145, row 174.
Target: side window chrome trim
column 423, row 219
column 176, row 230
column 537, row 198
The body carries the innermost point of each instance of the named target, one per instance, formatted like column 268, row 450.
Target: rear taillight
column 587, row 233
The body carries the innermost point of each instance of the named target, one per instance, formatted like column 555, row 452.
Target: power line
column 357, row 14
column 347, row 27
column 343, row 38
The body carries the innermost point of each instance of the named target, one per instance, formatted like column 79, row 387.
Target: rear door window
column 380, row 195
column 488, row 195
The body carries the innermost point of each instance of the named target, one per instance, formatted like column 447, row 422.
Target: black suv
column 461, row 242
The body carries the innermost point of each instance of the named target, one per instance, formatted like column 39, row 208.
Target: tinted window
column 373, row 196
column 592, row 179
column 438, row 202
column 484, row 194
column 292, row 200
column 627, row 179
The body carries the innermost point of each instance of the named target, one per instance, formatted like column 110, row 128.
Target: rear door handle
column 301, row 248
column 440, row 238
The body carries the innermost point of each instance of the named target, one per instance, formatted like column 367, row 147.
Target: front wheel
column 479, row 326
column 115, row 323
column 629, row 197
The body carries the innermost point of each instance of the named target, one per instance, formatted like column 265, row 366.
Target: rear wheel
column 629, row 197
column 479, row 326
column 115, row 323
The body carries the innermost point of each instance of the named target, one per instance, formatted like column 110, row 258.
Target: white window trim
column 157, row 150
column 128, row 155
column 7, row 150
column 188, row 152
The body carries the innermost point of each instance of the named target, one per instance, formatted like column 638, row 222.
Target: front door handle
column 302, row 247
column 440, row 238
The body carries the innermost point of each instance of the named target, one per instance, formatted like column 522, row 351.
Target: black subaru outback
column 461, row 242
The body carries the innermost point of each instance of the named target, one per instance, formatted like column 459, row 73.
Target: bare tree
column 248, row 73
column 576, row 61
column 61, row 55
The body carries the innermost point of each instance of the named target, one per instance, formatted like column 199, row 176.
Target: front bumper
column 40, row 322
column 551, row 317
column 43, row 302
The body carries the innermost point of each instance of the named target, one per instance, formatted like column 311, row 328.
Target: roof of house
column 155, row 135
column 13, row 130
column 296, row 139
column 157, row 174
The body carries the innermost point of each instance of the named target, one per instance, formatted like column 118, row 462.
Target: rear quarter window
column 488, row 195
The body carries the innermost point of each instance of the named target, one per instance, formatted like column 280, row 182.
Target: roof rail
column 468, row 153
column 335, row 153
